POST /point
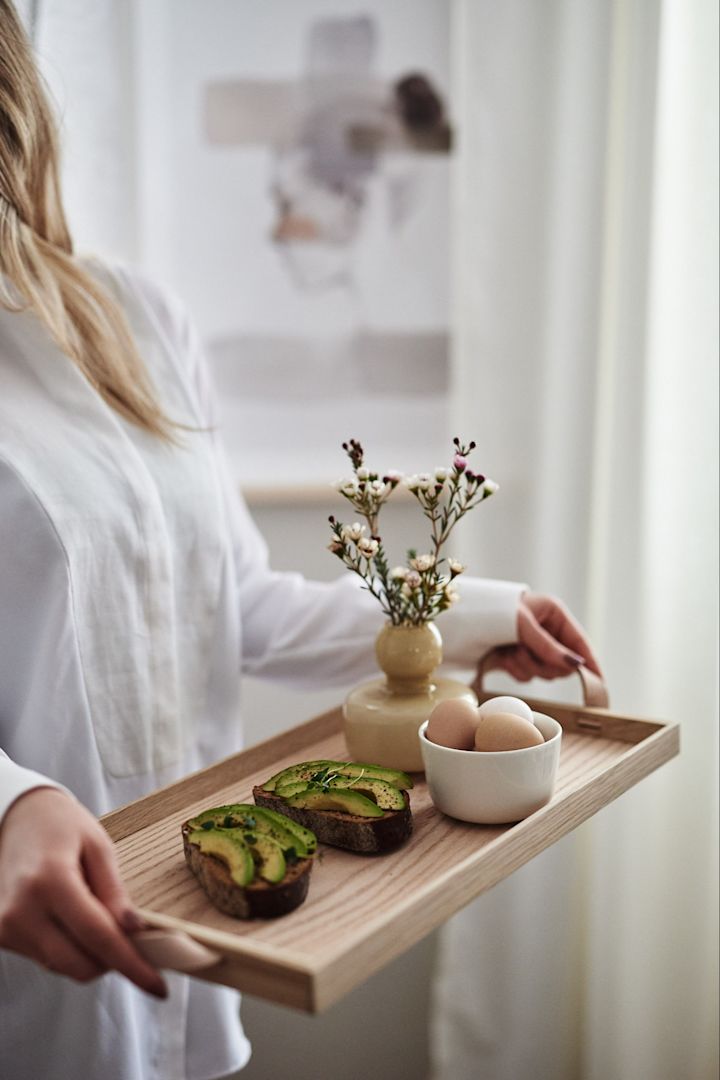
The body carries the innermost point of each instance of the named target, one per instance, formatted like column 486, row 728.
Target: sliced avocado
column 317, row 771
column 312, row 766
column 290, row 835
column 348, row 802
column 385, row 795
column 286, row 790
column 256, row 819
column 232, row 816
column 230, row 848
column 396, row 777
column 268, row 856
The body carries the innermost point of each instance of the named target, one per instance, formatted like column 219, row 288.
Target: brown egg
column 505, row 731
column 452, row 723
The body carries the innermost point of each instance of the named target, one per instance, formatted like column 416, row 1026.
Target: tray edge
column 255, row 968
column 502, row 856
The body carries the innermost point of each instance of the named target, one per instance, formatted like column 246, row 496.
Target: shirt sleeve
column 311, row 633
column 23, row 609
column 16, row 781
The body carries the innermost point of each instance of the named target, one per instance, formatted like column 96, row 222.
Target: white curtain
column 586, row 359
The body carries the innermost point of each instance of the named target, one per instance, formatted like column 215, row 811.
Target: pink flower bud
column 459, row 462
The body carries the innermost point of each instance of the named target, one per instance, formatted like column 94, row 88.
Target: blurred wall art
column 303, row 157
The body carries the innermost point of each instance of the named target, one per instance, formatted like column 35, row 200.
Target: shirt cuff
column 484, row 617
column 16, row 781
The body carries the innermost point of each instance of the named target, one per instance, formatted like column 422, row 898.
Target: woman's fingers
column 63, row 956
column 36, row 936
column 572, row 634
column 551, row 644
column 58, row 873
column 562, row 627
column 102, row 875
column 543, row 646
column 88, row 923
column 519, row 662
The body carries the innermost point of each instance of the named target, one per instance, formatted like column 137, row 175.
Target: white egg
column 506, row 704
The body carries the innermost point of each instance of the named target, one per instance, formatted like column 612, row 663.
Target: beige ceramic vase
column 382, row 717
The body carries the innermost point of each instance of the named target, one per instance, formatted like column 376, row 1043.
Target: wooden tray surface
column 362, row 911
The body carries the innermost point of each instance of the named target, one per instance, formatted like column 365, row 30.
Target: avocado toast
column 359, row 807
column 250, row 861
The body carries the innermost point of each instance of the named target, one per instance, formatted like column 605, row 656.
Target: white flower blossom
column 423, row 562
column 412, row 482
column 394, row 476
column 379, row 489
column 352, row 532
column 441, row 474
column 398, row 573
column 347, row 487
column 367, row 546
column 425, row 481
column 412, row 579
column 490, row 487
column 455, row 566
column 451, row 594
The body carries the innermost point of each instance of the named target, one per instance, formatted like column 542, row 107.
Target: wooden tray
column 361, row 911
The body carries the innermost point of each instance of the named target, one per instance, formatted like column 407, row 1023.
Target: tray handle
column 594, row 690
column 175, row 950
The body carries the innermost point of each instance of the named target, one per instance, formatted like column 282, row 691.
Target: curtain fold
column 586, row 369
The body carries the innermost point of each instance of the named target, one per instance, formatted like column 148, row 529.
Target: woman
column 134, row 589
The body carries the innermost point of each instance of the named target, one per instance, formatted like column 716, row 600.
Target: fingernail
column 573, row 659
column 132, row 922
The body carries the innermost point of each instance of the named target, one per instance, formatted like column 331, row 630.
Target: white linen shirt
column 134, row 589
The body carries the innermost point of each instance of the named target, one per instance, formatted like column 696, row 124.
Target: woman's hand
column 62, row 902
column 551, row 643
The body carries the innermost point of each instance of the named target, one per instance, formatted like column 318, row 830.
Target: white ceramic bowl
column 493, row 787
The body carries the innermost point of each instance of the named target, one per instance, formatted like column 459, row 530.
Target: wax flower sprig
column 415, row 593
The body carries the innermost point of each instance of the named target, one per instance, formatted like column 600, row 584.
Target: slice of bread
column 259, row 899
column 370, row 836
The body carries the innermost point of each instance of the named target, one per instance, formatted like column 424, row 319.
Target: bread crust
column 259, row 900
column 369, row 836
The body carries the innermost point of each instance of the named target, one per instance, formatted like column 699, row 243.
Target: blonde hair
column 36, row 251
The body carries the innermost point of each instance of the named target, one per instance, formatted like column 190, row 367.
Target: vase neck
column 422, row 684
column 409, row 655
